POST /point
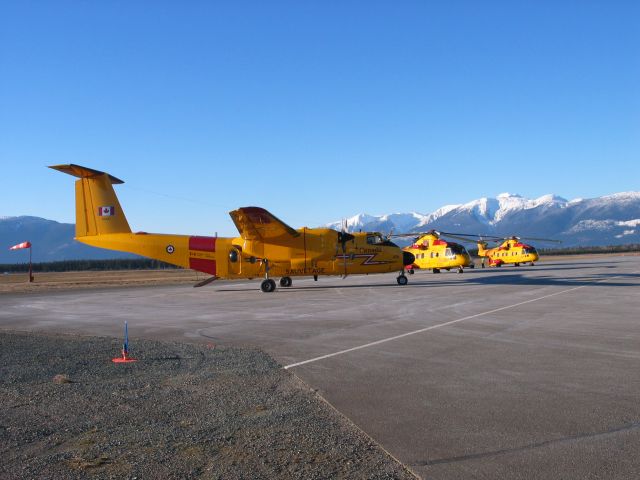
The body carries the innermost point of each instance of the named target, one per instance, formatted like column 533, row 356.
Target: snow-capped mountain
column 609, row 220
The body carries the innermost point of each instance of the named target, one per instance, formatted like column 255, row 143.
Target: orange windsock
column 21, row 245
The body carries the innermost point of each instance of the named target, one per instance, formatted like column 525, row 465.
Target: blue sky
column 315, row 110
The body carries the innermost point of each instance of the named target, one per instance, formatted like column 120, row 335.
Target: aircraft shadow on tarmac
column 515, row 278
column 520, row 279
column 551, row 263
column 531, row 446
column 554, row 268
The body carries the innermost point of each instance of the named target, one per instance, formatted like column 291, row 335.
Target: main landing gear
column 460, row 270
column 268, row 285
column 402, row 278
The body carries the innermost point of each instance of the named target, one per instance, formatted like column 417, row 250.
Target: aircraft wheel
column 532, row 264
column 286, row 282
column 315, row 278
column 460, row 270
column 436, row 270
column 516, row 264
column 268, row 286
column 402, row 280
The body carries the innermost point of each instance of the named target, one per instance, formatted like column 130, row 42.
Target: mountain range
column 608, row 220
column 52, row 241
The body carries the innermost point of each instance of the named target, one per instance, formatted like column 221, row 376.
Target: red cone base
column 123, row 359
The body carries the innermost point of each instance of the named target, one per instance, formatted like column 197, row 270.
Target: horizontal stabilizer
column 83, row 172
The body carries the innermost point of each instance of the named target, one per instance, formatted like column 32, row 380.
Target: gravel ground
column 181, row 411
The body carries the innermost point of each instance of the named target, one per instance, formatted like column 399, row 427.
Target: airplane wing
column 255, row 223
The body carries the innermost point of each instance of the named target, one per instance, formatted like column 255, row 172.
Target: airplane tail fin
column 98, row 210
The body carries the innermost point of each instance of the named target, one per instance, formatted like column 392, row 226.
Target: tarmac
column 513, row 372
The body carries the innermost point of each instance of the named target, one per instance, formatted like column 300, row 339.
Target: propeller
column 343, row 238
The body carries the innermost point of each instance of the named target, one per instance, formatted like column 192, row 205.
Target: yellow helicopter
column 511, row 250
column 431, row 252
column 266, row 245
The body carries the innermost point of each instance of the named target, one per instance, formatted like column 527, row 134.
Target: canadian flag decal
column 106, row 211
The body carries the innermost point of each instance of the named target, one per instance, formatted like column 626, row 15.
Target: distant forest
column 88, row 265
column 148, row 264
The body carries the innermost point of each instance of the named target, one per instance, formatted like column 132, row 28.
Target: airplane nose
column 408, row 258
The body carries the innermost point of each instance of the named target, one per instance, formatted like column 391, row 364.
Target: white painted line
column 440, row 325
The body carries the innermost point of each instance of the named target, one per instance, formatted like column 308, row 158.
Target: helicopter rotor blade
column 540, row 239
column 470, row 238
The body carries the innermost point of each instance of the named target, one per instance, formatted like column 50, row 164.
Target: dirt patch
column 181, row 411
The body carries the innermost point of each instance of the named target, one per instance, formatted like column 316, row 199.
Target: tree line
column 88, row 265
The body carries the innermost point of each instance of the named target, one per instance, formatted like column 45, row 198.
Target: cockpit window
column 379, row 240
column 374, row 239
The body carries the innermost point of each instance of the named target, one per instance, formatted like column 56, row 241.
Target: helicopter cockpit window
column 457, row 249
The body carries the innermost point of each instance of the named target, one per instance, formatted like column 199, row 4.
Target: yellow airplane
column 433, row 253
column 266, row 246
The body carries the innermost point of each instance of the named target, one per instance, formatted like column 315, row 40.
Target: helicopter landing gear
column 402, row 279
column 436, row 270
column 286, row 282
column 516, row 264
column 460, row 270
column 268, row 285
column 532, row 264
column 315, row 278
